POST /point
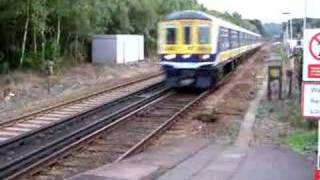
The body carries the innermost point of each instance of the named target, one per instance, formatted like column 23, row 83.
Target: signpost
column 275, row 74
column 311, row 57
column 311, row 99
column 311, row 69
column 311, row 85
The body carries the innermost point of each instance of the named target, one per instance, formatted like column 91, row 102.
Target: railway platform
column 199, row 159
column 203, row 159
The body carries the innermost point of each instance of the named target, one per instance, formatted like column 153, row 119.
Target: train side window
column 171, row 35
column 224, row 41
column 187, row 35
column 239, row 38
column 234, row 39
column 247, row 39
column 204, row 35
column 243, row 39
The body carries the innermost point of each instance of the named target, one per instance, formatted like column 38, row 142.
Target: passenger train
column 196, row 48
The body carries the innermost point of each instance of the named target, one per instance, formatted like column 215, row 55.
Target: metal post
column 318, row 163
column 290, row 77
column 305, row 16
column 291, row 30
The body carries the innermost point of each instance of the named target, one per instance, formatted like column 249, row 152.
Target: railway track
column 25, row 125
column 125, row 137
column 106, row 133
column 28, row 151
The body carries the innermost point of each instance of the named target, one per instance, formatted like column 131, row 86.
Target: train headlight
column 170, row 57
column 186, row 56
column 205, row 57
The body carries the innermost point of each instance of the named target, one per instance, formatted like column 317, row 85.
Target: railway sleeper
column 146, row 126
column 147, row 120
column 162, row 112
column 142, row 131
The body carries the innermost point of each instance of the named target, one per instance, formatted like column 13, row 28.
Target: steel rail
column 168, row 124
column 11, row 169
column 49, row 108
column 64, row 144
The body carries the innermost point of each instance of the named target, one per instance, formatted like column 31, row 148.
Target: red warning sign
column 317, row 175
column 314, row 46
column 311, row 55
column 314, row 71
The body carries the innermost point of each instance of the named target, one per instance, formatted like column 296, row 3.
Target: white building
column 117, row 49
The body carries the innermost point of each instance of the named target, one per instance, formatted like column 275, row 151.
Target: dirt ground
column 30, row 90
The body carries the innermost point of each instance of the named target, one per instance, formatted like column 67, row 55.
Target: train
column 196, row 49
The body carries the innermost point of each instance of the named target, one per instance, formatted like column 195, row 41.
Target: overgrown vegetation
column 303, row 142
column 304, row 138
column 34, row 31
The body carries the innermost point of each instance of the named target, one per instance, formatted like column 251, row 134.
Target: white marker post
column 311, row 70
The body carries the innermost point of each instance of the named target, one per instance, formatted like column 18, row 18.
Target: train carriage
column 195, row 48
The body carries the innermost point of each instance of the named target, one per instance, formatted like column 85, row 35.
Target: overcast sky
column 265, row 10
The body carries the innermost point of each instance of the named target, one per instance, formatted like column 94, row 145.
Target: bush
column 303, row 142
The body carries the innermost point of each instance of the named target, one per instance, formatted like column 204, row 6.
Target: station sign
column 311, row 57
column 311, row 99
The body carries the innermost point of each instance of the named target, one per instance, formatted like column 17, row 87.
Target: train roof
column 190, row 14
column 179, row 15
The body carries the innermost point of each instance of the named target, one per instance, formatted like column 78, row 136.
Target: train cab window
column 171, row 35
column 187, row 35
column 204, row 35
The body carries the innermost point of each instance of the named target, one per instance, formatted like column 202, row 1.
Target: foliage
column 303, row 142
column 236, row 18
column 273, row 29
column 33, row 31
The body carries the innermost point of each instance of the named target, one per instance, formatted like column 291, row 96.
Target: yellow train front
column 195, row 48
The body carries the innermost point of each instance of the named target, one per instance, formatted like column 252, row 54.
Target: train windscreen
column 187, row 35
column 171, row 34
column 204, row 35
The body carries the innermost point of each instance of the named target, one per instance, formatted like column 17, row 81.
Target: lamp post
column 289, row 24
column 287, row 40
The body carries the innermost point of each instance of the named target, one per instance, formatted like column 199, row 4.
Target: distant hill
column 272, row 29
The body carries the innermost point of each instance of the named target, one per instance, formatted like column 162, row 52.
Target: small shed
column 117, row 49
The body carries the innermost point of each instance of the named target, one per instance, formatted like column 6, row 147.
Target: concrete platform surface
column 155, row 162
column 208, row 162
column 271, row 163
column 260, row 163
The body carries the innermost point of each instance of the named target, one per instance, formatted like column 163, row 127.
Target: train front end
column 186, row 50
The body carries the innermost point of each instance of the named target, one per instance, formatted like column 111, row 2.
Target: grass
column 303, row 142
column 304, row 138
column 264, row 109
column 303, row 135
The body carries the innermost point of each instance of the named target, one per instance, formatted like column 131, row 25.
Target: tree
column 257, row 23
column 25, row 31
column 32, row 31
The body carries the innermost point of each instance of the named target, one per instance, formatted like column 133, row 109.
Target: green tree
column 32, row 31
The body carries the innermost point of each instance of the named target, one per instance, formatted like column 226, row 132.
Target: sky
column 265, row 10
